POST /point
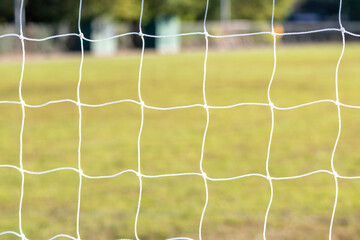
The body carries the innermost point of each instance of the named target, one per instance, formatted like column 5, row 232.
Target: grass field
column 171, row 141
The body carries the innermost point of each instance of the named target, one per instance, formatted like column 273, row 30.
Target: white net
column 21, row 234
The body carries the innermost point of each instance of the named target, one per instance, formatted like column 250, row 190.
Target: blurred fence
column 12, row 44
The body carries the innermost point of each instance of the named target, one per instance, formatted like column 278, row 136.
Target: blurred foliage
column 330, row 8
column 325, row 8
column 56, row 11
column 52, row 11
column 129, row 10
column 120, row 9
column 261, row 9
column 352, row 8
column 6, row 10
column 254, row 9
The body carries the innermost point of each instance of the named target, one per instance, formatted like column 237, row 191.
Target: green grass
column 236, row 144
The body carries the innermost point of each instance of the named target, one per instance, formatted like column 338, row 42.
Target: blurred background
column 114, row 17
column 239, row 69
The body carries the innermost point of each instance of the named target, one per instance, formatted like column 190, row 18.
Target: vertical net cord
column 22, row 120
column 78, row 103
column 207, row 123
column 272, row 123
column 335, row 174
column 141, row 121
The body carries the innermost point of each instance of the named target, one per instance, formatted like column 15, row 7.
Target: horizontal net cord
column 183, row 106
column 139, row 174
column 181, row 35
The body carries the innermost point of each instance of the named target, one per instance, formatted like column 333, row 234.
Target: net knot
column 336, row 174
column 342, row 29
column 22, row 102
column 21, row 37
column 78, row 103
column 141, row 34
column 271, row 104
column 204, row 175
column 81, row 172
column 142, row 104
column 23, row 237
column 81, row 35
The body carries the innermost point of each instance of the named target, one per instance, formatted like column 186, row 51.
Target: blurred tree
column 352, row 9
column 329, row 9
column 254, row 9
column 129, row 10
column 52, row 11
column 123, row 10
column 6, row 11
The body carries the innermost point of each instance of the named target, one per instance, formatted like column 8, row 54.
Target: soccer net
column 142, row 105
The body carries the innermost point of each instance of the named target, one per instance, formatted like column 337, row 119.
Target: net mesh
column 204, row 105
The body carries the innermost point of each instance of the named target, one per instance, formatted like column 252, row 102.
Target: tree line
column 59, row 11
column 56, row 11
